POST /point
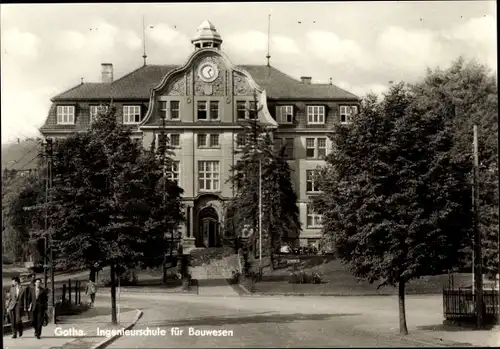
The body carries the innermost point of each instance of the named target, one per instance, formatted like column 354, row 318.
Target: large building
column 204, row 102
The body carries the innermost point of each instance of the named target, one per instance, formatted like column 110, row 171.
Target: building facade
column 203, row 102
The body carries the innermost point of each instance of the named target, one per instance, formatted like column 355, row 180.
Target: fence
column 459, row 304
column 67, row 296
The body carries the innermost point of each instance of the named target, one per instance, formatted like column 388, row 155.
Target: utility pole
column 478, row 263
column 49, row 255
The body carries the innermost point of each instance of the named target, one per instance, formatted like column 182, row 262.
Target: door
column 212, row 233
column 206, row 232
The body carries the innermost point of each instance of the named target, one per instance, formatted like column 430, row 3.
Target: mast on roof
column 268, row 39
column 144, row 56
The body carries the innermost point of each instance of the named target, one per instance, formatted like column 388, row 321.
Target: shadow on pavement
column 242, row 320
column 453, row 328
column 91, row 313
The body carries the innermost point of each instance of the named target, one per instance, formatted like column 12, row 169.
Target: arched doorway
column 209, row 227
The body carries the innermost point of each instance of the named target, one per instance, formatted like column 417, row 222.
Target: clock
column 208, row 72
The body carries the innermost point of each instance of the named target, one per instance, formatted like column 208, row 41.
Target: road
column 264, row 322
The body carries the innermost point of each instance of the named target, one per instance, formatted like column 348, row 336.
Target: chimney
column 306, row 80
column 107, row 72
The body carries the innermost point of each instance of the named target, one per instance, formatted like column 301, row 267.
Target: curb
column 110, row 340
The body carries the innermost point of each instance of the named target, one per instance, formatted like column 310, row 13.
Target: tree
column 19, row 192
column 393, row 200
column 280, row 219
column 471, row 90
column 106, row 204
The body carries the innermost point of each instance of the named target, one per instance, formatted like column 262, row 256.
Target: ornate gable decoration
column 209, row 76
column 241, row 85
column 177, row 87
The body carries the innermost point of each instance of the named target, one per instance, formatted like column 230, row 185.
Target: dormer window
column 285, row 114
column 315, row 114
column 131, row 114
column 347, row 112
column 66, row 115
column 95, row 110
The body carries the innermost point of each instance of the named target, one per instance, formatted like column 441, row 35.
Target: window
column 208, row 140
column 202, row 110
column 214, row 110
column 286, row 114
column 278, row 144
column 208, row 175
column 202, row 140
column 65, row 114
column 240, row 140
column 311, row 184
column 253, row 110
column 214, row 140
column 287, row 143
column 174, row 140
column 173, row 171
column 289, row 148
column 131, row 114
column 315, row 114
column 347, row 112
column 95, row 110
column 315, row 148
column 174, row 110
column 314, row 220
column 162, row 108
column 241, row 111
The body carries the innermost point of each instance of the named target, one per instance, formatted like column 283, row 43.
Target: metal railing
column 459, row 304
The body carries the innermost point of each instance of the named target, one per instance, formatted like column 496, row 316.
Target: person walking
column 16, row 307
column 38, row 302
column 91, row 291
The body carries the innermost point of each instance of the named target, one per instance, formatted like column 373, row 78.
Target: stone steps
column 216, row 269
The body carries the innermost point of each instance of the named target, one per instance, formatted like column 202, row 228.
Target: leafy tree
column 394, row 201
column 106, row 201
column 19, row 192
column 280, row 218
column 471, row 90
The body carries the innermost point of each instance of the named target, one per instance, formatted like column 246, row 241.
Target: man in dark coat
column 16, row 305
column 37, row 300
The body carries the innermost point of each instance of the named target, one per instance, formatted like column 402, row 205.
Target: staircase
column 216, row 269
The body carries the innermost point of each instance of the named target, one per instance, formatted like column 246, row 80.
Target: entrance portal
column 209, row 227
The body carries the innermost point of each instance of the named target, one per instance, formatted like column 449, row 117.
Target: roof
column 20, row 156
column 137, row 85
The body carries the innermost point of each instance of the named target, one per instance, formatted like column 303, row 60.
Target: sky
column 362, row 46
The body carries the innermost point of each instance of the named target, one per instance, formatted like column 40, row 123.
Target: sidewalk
column 74, row 332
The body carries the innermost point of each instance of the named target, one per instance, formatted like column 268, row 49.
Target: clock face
column 208, row 72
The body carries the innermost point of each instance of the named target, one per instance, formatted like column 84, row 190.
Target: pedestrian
column 38, row 299
column 91, row 290
column 16, row 307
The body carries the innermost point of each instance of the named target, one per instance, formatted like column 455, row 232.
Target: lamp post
column 162, row 154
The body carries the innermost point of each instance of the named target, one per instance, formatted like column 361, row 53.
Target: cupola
column 206, row 36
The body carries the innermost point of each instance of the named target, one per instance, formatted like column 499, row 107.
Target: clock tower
column 206, row 37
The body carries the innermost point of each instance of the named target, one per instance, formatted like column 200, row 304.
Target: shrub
column 304, row 278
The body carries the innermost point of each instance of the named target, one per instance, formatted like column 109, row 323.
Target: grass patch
column 337, row 280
